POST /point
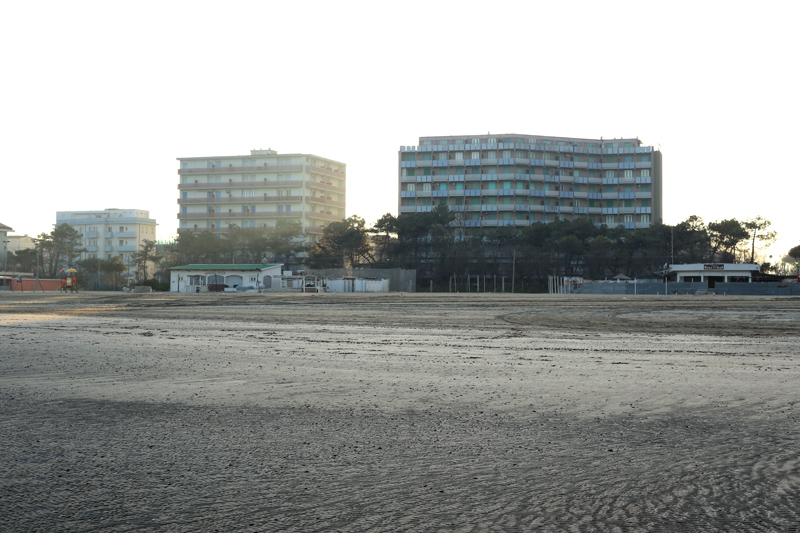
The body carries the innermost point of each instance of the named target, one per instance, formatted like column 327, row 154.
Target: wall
column 29, row 285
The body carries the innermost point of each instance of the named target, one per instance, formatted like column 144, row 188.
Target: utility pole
column 513, row 271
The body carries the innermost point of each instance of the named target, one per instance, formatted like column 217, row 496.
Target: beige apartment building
column 517, row 180
column 256, row 190
column 111, row 232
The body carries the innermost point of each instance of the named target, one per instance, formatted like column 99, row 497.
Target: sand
column 420, row 412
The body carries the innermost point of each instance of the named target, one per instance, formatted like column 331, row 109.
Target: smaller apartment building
column 110, row 232
column 517, row 180
column 259, row 189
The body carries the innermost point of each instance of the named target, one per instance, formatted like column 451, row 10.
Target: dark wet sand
column 385, row 413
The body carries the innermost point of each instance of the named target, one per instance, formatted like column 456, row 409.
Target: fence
column 634, row 287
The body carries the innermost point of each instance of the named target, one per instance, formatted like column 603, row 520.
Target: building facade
column 20, row 242
column 4, row 249
column 517, row 180
column 111, row 232
column 258, row 190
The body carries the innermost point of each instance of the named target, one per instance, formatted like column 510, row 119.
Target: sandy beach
column 389, row 412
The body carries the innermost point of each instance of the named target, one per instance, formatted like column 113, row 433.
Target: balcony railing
column 240, row 170
column 251, row 185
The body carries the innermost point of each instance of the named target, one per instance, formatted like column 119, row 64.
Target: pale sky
column 100, row 98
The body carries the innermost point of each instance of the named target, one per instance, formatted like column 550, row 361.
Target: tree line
column 429, row 243
column 440, row 252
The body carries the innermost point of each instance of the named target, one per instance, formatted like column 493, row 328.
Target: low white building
column 202, row 278
column 712, row 273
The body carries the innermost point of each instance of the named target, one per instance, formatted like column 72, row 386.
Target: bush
column 156, row 285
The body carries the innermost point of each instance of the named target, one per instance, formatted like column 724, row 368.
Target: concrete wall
column 400, row 280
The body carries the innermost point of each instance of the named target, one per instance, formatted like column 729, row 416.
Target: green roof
column 224, row 267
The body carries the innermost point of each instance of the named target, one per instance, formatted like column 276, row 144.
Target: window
column 411, row 186
column 645, row 219
column 506, row 154
column 609, row 173
column 459, row 156
column 426, row 187
column 645, row 172
column 443, row 156
column 629, row 173
column 475, row 155
column 491, row 155
column 609, row 220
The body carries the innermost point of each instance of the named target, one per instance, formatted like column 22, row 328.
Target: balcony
column 256, row 184
column 238, row 215
column 312, row 168
column 644, row 210
column 247, row 170
column 643, row 180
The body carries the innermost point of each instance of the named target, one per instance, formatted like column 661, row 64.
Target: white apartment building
column 110, row 232
column 4, row 241
column 257, row 190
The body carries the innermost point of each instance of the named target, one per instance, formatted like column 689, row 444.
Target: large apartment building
column 516, row 180
column 110, row 232
column 257, row 190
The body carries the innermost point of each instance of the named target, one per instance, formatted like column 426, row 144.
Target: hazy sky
column 99, row 98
